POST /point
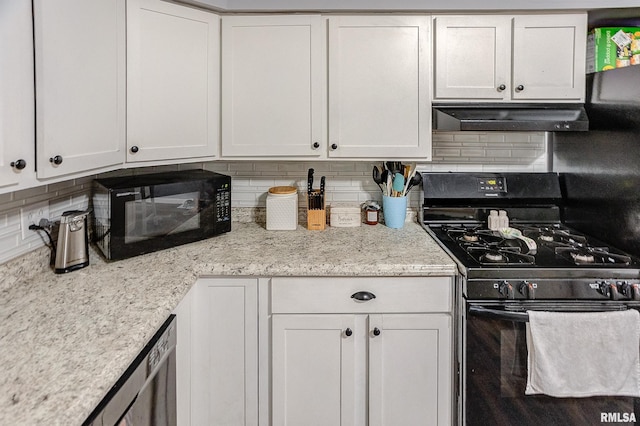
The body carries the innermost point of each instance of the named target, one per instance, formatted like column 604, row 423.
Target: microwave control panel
column 223, row 203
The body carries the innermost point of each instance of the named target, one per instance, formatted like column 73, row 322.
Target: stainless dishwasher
column 145, row 395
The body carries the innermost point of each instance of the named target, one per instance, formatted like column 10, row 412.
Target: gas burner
column 592, row 256
column 470, row 236
column 493, row 256
column 546, row 236
column 489, row 248
column 581, row 258
column 467, row 235
column 500, row 255
column 553, row 236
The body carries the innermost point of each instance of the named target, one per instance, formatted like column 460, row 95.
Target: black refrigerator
column 600, row 168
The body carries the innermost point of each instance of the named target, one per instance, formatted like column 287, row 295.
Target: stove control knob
column 624, row 288
column 609, row 290
column 635, row 291
column 506, row 290
column 528, row 289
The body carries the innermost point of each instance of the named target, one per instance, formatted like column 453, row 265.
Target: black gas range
column 535, row 256
column 534, row 263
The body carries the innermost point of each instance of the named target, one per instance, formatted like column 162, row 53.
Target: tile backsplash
column 345, row 180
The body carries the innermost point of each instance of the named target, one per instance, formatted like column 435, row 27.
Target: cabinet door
column 16, row 93
column 549, row 57
column 224, row 372
column 172, row 81
column 313, row 368
column 184, row 353
column 379, row 99
column 80, row 85
column 472, row 57
column 273, row 86
column 410, row 371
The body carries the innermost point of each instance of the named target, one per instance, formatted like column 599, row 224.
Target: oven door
column 495, row 371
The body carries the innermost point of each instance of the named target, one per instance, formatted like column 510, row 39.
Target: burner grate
column 591, row 256
column 489, row 248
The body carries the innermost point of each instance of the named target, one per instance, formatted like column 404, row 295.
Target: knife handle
column 310, row 181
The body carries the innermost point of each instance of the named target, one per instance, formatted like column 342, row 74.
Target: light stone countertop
column 66, row 339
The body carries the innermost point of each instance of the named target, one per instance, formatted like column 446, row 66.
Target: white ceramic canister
column 282, row 208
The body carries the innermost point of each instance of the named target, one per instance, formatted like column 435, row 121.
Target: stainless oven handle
column 524, row 316
column 499, row 314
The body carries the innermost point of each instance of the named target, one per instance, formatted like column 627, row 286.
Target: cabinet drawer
column 334, row 295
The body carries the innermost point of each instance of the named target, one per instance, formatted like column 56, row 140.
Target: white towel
column 580, row 354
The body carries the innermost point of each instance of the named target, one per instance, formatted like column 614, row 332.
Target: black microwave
column 140, row 214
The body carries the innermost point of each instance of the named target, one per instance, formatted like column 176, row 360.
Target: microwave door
column 141, row 217
column 149, row 217
column 149, row 214
column 189, row 214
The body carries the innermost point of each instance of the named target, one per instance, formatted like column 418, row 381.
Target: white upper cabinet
column 80, row 85
column 17, row 133
column 471, row 56
column 273, row 86
column 549, row 57
column 379, row 100
column 172, row 81
column 510, row 58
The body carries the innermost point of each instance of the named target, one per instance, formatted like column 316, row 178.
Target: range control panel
column 492, row 184
column 533, row 289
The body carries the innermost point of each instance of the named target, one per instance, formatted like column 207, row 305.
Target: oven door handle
column 498, row 314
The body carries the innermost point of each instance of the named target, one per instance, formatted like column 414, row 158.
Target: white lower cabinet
column 303, row 351
column 218, row 357
column 410, row 369
column 323, row 366
column 314, row 372
column 381, row 365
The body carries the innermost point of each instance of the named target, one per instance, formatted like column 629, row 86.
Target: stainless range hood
column 510, row 117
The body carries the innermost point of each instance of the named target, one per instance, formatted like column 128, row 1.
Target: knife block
column 316, row 219
column 316, row 212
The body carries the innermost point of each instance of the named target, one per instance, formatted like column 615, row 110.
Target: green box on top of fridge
column 612, row 47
